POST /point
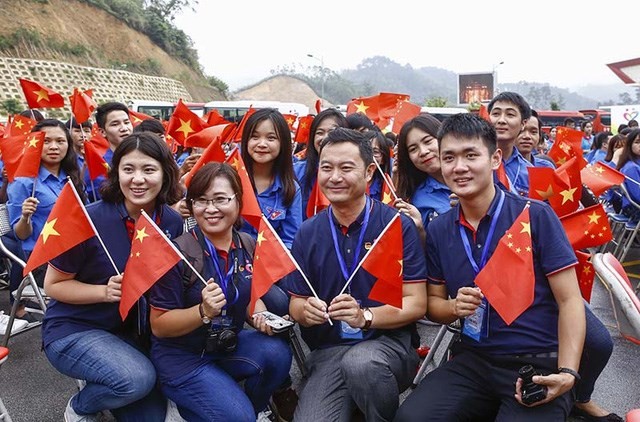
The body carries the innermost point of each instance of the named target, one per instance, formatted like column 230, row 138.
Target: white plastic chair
column 28, row 288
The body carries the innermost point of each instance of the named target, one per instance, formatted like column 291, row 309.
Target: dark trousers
column 471, row 387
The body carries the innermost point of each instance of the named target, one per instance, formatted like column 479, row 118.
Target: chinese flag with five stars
column 568, row 144
column 317, row 201
column 585, row 274
column 271, row 262
column 365, row 105
column 39, row 96
column 405, row 112
column 203, row 138
column 137, row 117
column 82, row 104
column 562, row 187
column 384, row 261
column 587, row 227
column 29, row 165
column 303, row 132
column 67, row 225
column 184, row 123
column 20, row 125
column 507, row 280
column 388, row 104
column 600, row 177
column 212, row 153
column 250, row 207
column 152, row 255
column 96, row 165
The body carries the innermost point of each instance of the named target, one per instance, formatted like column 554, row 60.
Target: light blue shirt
column 431, row 198
column 631, row 169
column 516, row 168
column 541, row 162
column 48, row 189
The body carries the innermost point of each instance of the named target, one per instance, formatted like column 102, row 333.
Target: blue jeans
column 276, row 300
column 211, row 392
column 119, row 377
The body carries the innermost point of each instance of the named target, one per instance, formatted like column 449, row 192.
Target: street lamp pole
column 495, row 78
column 321, row 60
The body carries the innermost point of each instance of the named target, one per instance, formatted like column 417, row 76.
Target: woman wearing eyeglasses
column 200, row 347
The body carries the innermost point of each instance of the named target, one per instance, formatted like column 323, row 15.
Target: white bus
column 233, row 111
column 162, row 110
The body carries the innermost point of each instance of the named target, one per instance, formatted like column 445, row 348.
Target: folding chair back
column 626, row 305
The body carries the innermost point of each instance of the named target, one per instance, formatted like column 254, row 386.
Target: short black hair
column 104, row 109
column 150, row 125
column 469, row 126
column 340, row 135
column 513, row 98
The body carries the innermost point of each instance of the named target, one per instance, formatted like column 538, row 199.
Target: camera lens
column 526, row 373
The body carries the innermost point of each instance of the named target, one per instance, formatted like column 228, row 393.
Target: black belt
column 538, row 355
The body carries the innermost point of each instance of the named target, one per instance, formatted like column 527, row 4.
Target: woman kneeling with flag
column 199, row 346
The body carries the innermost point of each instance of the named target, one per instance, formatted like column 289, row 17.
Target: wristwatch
column 205, row 319
column 368, row 318
column 575, row 374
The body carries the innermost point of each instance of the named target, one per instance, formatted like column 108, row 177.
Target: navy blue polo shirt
column 314, row 250
column 90, row 265
column 536, row 330
column 180, row 355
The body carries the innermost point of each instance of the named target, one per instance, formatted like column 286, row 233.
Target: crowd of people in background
column 449, row 200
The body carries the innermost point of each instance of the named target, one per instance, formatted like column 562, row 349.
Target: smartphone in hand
column 277, row 323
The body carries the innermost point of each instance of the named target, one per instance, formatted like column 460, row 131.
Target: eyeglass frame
column 222, row 202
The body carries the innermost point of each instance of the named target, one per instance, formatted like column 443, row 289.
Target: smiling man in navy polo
column 480, row 381
column 361, row 350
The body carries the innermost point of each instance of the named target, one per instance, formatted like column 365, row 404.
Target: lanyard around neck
column 223, row 280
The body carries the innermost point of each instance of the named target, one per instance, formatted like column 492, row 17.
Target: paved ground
column 33, row 391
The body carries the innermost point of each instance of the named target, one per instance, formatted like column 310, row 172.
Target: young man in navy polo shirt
column 361, row 350
column 480, row 381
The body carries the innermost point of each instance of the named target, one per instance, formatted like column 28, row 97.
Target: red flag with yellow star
column 82, row 104
column 585, row 274
column 20, row 125
column 137, row 117
column 250, row 207
column 184, row 123
column 388, row 190
column 206, row 136
column 291, row 120
column 29, row 165
column 39, row 96
column 568, row 144
column 384, row 261
column 12, row 149
column 405, row 112
column 507, row 280
column 587, row 227
column 271, row 262
column 303, row 131
column 365, row 105
column 562, row 187
column 152, row 255
column 96, row 164
column 599, row 177
column 67, row 226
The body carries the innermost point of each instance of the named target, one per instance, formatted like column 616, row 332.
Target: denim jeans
column 211, row 392
column 119, row 377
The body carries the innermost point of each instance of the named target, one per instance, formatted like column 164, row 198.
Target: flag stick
column 176, row 250
column 84, row 210
column 295, row 263
column 397, row 215
column 384, row 179
column 93, row 190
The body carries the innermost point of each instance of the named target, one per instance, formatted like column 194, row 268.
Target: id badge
column 474, row 325
column 347, row 332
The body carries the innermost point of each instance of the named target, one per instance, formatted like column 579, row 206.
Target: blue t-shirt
column 596, row 156
column 541, row 162
column 175, row 356
column 535, row 330
column 90, row 264
column 299, row 169
column 285, row 220
column 48, row 188
column 516, row 168
column 432, row 199
column 314, row 250
column 630, row 169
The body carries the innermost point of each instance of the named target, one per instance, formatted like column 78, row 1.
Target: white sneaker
column 70, row 415
column 18, row 324
column 265, row 416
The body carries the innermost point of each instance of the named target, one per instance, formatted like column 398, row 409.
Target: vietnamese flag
column 599, row 177
column 20, row 125
column 291, row 120
column 365, row 105
column 152, row 255
column 203, row 138
column 568, row 144
column 587, row 227
column 507, row 280
column 67, row 225
column 137, row 117
column 317, row 201
column 82, row 105
column 213, row 152
column 184, row 123
column 585, row 274
column 303, row 132
column 250, row 207
column 405, row 112
column 384, row 261
column 271, row 262
column 39, row 96
column 12, row 149
column 96, row 164
column 29, row 165
column 213, row 118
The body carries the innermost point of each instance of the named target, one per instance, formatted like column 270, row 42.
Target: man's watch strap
column 368, row 318
column 570, row 371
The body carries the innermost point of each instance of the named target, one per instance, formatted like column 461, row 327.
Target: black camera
column 220, row 339
column 531, row 392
